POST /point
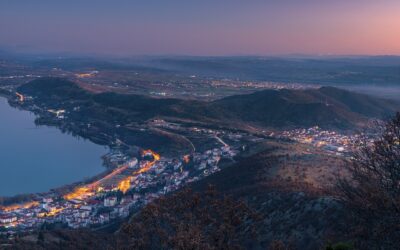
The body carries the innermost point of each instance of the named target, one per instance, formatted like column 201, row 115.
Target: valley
column 190, row 140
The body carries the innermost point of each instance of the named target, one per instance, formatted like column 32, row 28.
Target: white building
column 110, row 201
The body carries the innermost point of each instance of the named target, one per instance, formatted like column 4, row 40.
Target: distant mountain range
column 380, row 70
column 324, row 70
column 327, row 107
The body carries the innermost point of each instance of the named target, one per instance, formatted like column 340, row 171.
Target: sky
column 202, row 27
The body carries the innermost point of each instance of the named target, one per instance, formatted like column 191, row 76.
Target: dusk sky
column 206, row 27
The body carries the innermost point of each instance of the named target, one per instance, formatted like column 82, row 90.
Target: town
column 132, row 182
column 332, row 142
column 127, row 188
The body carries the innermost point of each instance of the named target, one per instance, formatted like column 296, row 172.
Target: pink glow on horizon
column 207, row 28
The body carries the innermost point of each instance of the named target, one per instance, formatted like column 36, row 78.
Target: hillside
column 245, row 207
column 59, row 88
column 326, row 107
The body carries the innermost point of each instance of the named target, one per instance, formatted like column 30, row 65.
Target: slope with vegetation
column 325, row 107
column 237, row 208
column 278, row 195
column 247, row 210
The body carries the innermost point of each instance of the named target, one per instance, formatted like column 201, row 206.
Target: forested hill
column 326, row 107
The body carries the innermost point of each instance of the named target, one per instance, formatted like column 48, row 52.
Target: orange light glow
column 149, row 151
column 20, row 96
column 19, row 206
column 186, row 159
column 52, row 213
column 84, row 75
column 79, row 193
column 124, row 185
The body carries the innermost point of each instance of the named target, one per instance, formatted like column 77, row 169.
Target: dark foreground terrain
column 241, row 207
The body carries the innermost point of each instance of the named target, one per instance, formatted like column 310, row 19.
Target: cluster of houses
column 330, row 141
column 107, row 204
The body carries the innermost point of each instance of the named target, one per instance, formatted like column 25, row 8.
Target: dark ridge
column 50, row 87
column 327, row 107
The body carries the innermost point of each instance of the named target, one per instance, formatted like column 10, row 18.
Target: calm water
column 36, row 159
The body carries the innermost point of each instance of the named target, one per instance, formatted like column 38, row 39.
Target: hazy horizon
column 206, row 28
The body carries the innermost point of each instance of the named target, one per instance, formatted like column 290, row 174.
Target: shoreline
column 20, row 199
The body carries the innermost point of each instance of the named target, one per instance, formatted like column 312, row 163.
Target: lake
column 38, row 158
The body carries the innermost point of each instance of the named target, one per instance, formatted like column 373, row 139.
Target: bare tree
column 373, row 192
